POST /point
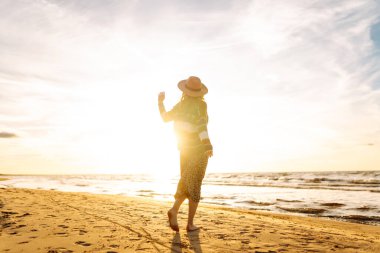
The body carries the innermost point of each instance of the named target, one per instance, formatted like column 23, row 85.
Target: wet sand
column 52, row 221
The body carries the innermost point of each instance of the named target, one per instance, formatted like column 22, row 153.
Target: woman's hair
column 186, row 97
column 192, row 108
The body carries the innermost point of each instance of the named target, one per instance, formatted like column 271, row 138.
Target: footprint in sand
column 62, row 226
column 83, row 243
column 8, row 212
column 8, row 224
column 245, row 241
column 244, row 231
column 23, row 215
column 64, row 234
column 82, row 232
column 221, row 236
column 60, row 250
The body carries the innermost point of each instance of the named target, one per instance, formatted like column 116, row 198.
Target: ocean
column 352, row 196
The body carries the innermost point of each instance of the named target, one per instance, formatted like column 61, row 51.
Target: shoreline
column 317, row 211
column 54, row 221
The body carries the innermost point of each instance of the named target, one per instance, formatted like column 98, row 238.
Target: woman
column 190, row 124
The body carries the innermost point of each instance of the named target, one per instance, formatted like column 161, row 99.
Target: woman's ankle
column 173, row 211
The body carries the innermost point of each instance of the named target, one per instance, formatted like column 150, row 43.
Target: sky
column 293, row 85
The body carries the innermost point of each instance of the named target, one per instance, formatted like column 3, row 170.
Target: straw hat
column 193, row 87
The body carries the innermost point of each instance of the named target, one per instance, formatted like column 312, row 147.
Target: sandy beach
column 52, row 221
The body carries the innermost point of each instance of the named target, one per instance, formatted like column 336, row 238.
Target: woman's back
column 189, row 116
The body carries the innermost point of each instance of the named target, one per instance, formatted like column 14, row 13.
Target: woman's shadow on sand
column 194, row 240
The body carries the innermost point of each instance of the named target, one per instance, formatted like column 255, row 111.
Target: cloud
column 7, row 135
column 305, row 69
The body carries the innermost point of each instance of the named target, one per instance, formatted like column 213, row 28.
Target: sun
column 112, row 132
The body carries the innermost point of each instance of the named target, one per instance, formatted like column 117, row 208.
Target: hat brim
column 182, row 86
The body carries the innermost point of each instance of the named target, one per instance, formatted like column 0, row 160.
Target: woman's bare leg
column 174, row 211
column 192, row 210
column 177, row 204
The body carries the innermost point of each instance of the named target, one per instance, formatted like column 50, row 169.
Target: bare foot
column 172, row 216
column 191, row 228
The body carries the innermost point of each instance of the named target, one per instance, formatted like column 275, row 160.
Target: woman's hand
column 161, row 96
column 209, row 153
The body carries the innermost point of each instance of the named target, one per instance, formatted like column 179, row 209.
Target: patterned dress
column 190, row 124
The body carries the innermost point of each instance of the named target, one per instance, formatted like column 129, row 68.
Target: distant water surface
column 350, row 196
